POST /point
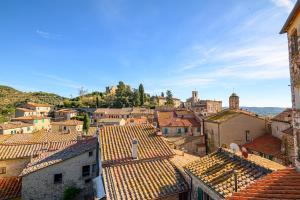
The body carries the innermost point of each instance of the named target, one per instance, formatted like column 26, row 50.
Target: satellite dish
column 234, row 147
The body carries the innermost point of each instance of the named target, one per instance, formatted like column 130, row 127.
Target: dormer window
column 294, row 44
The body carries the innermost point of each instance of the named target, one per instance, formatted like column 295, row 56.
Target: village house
column 136, row 165
column 161, row 101
column 47, row 176
column 233, row 125
column 218, row 175
column 203, row 107
column 67, row 125
column 24, row 112
column 15, row 128
column 182, row 130
column 38, row 122
column 64, row 114
column 40, row 109
column 281, row 122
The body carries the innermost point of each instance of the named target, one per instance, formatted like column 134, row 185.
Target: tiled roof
column 285, row 116
column 10, row 188
column 169, row 119
column 15, row 151
column 116, row 143
column 25, row 110
column 114, row 111
column 66, row 111
column 152, row 179
column 68, row 152
column 181, row 159
column 227, row 114
column 12, row 125
column 26, row 118
column 279, row 185
column 39, row 137
column 109, row 120
column 267, row 144
column 215, row 171
column 68, row 123
column 37, row 104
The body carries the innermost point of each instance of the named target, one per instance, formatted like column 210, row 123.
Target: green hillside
column 10, row 98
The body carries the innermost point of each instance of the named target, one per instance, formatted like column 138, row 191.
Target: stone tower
column 234, row 102
column 195, row 97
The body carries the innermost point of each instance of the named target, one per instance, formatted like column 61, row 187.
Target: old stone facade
column 41, row 185
column 12, row 167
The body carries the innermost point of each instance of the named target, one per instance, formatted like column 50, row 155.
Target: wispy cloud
column 59, row 81
column 286, row 4
column 47, row 35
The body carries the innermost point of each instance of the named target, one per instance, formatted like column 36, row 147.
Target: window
column 247, row 136
column 28, row 128
column 86, row 170
column 294, row 44
column 185, row 130
column 179, row 130
column 90, row 153
column 35, row 121
column 43, row 120
column 2, row 170
column 198, row 129
column 165, row 131
column 57, row 178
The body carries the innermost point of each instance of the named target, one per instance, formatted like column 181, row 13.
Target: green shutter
column 200, row 194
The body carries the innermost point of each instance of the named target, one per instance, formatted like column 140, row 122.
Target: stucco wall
column 13, row 167
column 211, row 129
column 278, row 127
column 40, row 185
column 234, row 129
column 28, row 129
column 173, row 131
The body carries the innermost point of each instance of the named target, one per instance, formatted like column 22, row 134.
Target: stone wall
column 13, row 167
column 40, row 185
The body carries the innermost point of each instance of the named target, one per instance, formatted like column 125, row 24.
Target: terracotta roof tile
column 65, row 153
column 10, row 188
column 267, row 144
column 281, row 184
column 27, row 118
column 152, row 179
column 170, row 119
column 215, row 171
column 66, row 111
column 68, row 123
column 285, row 116
column 12, row 125
column 116, row 142
column 37, row 104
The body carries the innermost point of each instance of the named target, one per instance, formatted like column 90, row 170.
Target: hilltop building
column 33, row 109
column 111, row 90
column 203, row 107
column 67, row 126
column 233, row 125
column 161, row 101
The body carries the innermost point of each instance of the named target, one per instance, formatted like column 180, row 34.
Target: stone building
column 203, row 107
column 234, row 102
column 24, row 112
column 47, row 176
column 40, row 109
column 233, row 125
column 291, row 27
column 161, row 101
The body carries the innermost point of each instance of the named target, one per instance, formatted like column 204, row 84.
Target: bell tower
column 234, row 102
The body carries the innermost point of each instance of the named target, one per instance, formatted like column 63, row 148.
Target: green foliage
column 169, row 98
column 142, row 94
column 136, row 98
column 70, row 193
column 86, row 123
column 162, row 94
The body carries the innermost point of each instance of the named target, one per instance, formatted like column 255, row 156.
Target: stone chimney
column 234, row 102
column 134, row 149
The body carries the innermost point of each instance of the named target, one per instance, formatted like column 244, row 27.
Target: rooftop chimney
column 134, row 149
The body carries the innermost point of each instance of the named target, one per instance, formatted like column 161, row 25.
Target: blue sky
column 209, row 45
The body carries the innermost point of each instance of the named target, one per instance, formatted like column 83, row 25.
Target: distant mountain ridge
column 265, row 111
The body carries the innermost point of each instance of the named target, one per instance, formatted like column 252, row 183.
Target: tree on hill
column 142, row 94
column 86, row 123
column 136, row 98
column 123, row 96
column 169, row 98
column 162, row 94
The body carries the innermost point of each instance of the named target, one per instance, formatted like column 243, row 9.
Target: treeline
column 124, row 96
